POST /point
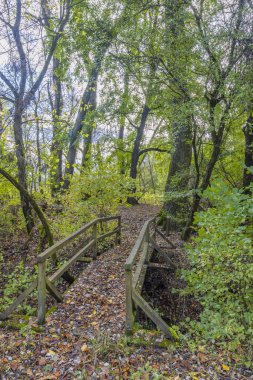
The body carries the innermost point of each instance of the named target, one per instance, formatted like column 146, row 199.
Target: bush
column 91, row 195
column 16, row 283
column 221, row 273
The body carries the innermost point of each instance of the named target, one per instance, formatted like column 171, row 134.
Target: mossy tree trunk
column 248, row 156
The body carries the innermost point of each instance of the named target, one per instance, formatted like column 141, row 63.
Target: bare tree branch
column 58, row 35
column 154, row 150
column 8, row 83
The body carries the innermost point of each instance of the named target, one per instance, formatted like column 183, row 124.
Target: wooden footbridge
column 44, row 283
column 136, row 267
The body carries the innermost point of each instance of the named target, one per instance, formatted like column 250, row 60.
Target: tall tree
column 16, row 79
column 98, row 31
column 221, row 83
column 176, row 63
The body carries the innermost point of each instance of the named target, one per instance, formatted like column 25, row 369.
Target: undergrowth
column 221, row 272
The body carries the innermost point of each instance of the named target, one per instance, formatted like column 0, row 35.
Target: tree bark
column 248, row 155
column 122, row 124
column 85, row 106
column 88, row 128
column 21, row 164
column 217, row 138
column 180, row 163
column 179, row 170
column 136, row 150
column 56, row 148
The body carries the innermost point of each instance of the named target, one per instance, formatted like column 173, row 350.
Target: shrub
column 91, row 195
column 221, row 273
column 16, row 283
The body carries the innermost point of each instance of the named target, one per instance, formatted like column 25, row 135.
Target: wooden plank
column 141, row 268
column 118, row 235
column 62, row 243
column 107, row 218
column 85, row 260
column 165, row 238
column 107, row 234
column 141, row 280
column 53, row 291
column 133, row 255
column 159, row 266
column 42, row 293
column 129, row 303
column 19, row 300
column 95, row 238
column 151, row 313
column 163, row 254
column 73, row 259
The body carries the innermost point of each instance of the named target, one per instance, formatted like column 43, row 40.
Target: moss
column 12, row 325
column 51, row 310
column 37, row 329
column 143, row 338
column 25, row 317
column 174, row 334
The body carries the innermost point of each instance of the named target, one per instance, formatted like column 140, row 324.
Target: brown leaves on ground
column 84, row 338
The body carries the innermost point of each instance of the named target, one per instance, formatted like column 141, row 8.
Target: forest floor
column 84, row 337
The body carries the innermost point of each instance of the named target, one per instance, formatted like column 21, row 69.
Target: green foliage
column 101, row 192
column 91, row 195
column 145, row 372
column 16, row 282
column 11, row 219
column 221, row 273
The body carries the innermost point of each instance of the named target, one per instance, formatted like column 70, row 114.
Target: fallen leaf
column 84, row 348
column 29, row 372
column 50, row 352
column 202, row 357
column 42, row 361
column 225, row 367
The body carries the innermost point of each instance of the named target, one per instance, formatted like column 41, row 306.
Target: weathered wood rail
column 135, row 270
column 44, row 283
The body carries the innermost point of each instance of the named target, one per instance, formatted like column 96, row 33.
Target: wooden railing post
column 147, row 240
column 168, row 225
column 118, row 235
column 95, row 238
column 42, row 292
column 154, row 232
column 129, row 302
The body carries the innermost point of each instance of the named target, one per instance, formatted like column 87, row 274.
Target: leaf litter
column 84, row 337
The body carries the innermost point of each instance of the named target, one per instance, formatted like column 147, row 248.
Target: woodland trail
column 82, row 339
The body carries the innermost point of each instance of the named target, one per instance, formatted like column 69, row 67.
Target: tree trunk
column 136, row 150
column 122, row 124
column 84, row 108
column 180, row 164
column 38, row 150
column 217, row 141
column 21, row 164
column 88, row 128
column 248, row 155
column 179, row 171
column 56, row 148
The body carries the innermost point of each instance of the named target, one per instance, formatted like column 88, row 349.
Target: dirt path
column 84, row 337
